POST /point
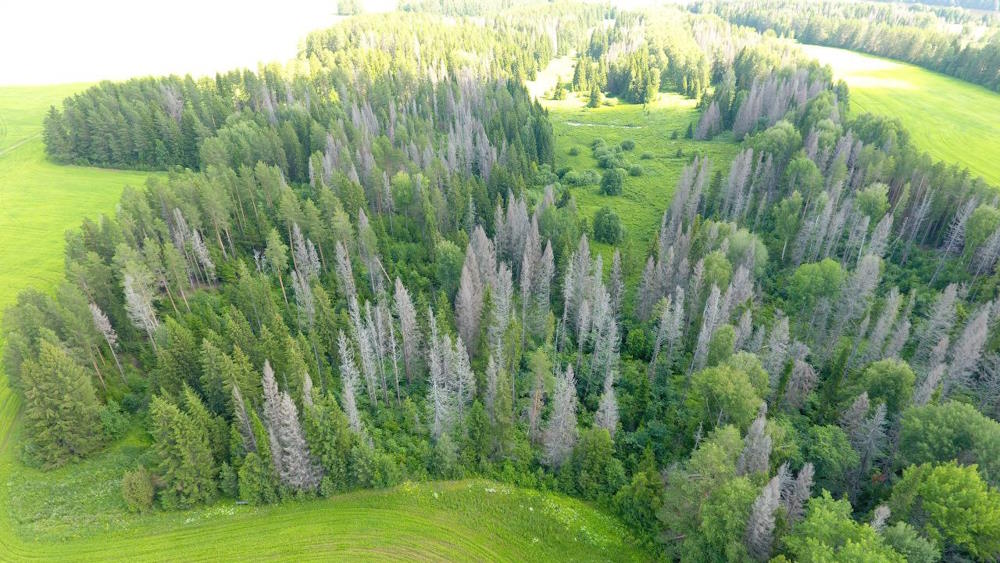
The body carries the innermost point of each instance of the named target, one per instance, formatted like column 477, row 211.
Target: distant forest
column 912, row 34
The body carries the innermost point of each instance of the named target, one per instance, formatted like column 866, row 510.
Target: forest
column 363, row 268
column 960, row 43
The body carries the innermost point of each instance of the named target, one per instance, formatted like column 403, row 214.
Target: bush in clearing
column 137, row 490
column 613, row 181
column 608, row 227
column 584, row 178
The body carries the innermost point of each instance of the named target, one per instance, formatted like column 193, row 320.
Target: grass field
column 645, row 197
column 953, row 120
column 39, row 200
column 76, row 512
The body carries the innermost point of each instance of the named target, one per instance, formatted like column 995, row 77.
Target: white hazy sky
column 57, row 41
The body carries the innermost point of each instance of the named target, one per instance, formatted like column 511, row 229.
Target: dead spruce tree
column 560, row 434
column 409, row 331
column 756, row 454
column 349, row 382
column 289, row 450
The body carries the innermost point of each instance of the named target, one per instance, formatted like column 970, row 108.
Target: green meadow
column 661, row 157
column 953, row 120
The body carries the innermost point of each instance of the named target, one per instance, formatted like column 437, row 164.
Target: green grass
column 77, row 513
column 645, row 197
column 953, row 120
column 39, row 200
column 22, row 109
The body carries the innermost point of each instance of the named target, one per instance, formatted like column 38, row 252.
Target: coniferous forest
column 362, row 267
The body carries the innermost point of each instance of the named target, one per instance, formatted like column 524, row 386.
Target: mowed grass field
column 953, row 120
column 76, row 512
column 645, row 197
column 39, row 200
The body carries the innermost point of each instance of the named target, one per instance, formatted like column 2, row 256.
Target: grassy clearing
column 645, row 197
column 545, row 81
column 953, row 120
column 464, row 520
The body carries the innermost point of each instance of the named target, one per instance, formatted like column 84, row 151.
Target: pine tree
column 60, row 407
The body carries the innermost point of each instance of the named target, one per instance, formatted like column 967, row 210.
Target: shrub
column 628, row 144
column 635, row 170
column 562, row 171
column 680, row 153
column 608, row 227
column 613, row 181
column 646, row 156
column 674, row 135
column 255, row 481
column 609, row 158
column 113, row 420
column 228, row 481
column 574, row 151
column 137, row 490
column 575, row 178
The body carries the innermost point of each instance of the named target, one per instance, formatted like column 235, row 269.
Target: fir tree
column 60, row 407
column 184, row 455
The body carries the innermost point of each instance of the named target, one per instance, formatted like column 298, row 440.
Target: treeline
column 806, row 368
column 984, row 5
column 664, row 50
column 280, row 115
column 915, row 36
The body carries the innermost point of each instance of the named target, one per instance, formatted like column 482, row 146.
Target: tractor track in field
column 19, row 143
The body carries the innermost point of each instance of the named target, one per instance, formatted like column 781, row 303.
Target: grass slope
column 951, row 119
column 645, row 197
column 76, row 512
